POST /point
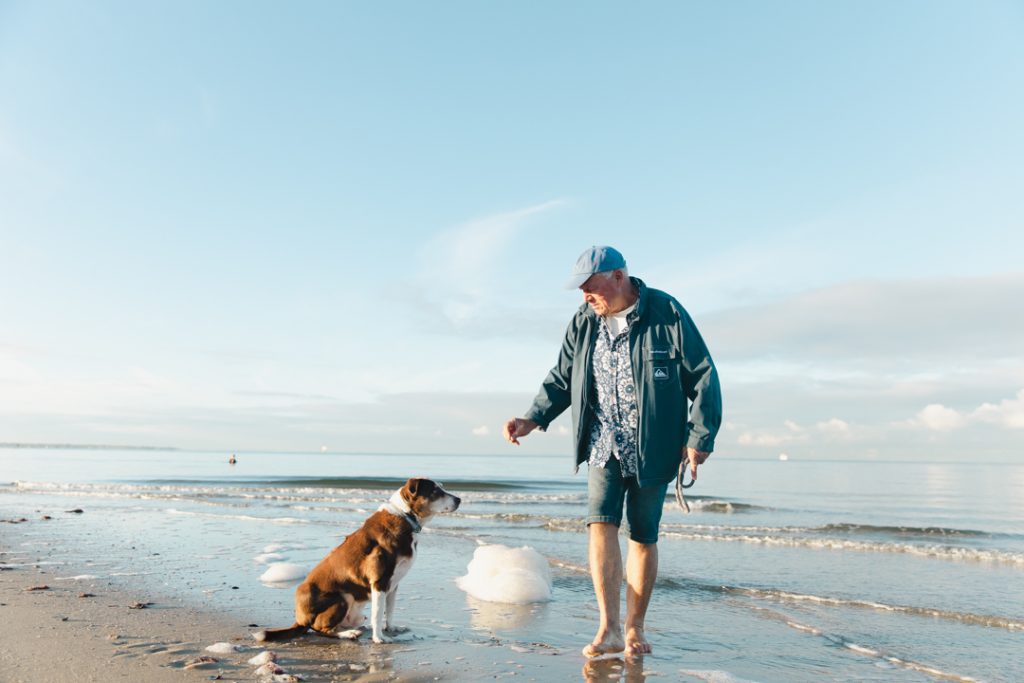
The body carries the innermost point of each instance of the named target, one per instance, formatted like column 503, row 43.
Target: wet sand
column 80, row 631
column 124, row 631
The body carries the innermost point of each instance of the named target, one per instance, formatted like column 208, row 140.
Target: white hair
column 609, row 273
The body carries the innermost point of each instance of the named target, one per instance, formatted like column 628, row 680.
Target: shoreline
column 102, row 637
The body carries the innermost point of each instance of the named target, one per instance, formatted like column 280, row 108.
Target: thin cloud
column 834, row 426
column 460, row 268
column 938, row 418
column 286, row 395
column 792, row 432
column 764, row 439
column 881, row 321
column 1008, row 414
column 470, row 250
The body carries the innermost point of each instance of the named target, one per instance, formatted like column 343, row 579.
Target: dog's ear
column 420, row 487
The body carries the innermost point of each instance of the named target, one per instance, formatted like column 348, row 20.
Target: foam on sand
column 278, row 547
column 715, row 676
column 80, row 577
column 284, row 572
column 498, row 573
column 224, row 648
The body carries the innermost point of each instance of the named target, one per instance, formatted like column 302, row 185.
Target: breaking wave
column 868, row 651
column 988, row 620
column 941, row 552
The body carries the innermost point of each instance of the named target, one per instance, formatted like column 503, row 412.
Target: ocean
column 783, row 571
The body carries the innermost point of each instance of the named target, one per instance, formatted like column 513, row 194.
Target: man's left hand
column 695, row 458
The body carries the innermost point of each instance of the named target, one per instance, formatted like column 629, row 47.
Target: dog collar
column 398, row 507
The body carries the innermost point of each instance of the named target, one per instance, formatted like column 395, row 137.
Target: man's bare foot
column 605, row 642
column 636, row 642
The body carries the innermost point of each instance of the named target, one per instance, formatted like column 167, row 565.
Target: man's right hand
column 517, row 427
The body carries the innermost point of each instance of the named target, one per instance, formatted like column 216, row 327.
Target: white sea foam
column 282, row 547
column 267, row 558
column 498, row 573
column 219, row 496
column 965, row 617
column 244, row 518
column 284, row 572
column 941, row 552
column 80, row 577
column 224, row 648
column 908, row 664
column 715, row 676
column 864, row 649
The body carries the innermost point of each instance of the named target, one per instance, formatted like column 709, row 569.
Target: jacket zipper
column 638, row 388
column 585, row 398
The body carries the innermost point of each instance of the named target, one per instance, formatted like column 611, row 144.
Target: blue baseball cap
column 595, row 260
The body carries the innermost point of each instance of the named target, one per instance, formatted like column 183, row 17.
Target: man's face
column 600, row 290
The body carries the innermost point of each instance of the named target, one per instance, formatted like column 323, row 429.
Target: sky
column 262, row 226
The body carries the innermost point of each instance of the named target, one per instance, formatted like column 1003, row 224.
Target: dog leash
column 680, row 477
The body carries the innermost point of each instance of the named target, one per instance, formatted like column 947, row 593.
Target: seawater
column 783, row 571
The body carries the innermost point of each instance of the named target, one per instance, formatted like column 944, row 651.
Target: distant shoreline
column 1007, row 459
column 87, row 447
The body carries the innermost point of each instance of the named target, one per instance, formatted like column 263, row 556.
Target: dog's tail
column 292, row 631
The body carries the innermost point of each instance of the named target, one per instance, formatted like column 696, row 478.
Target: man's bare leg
column 641, row 571
column 606, row 572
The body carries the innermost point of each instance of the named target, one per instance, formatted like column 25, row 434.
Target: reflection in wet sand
column 499, row 616
column 606, row 669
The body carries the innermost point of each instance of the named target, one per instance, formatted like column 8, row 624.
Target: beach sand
column 56, row 634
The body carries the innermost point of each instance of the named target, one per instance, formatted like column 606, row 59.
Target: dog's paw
column 382, row 639
column 396, row 630
column 351, row 634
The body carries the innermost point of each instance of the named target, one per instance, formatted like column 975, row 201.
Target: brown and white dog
column 367, row 566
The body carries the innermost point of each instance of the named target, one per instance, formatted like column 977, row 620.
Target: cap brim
column 577, row 281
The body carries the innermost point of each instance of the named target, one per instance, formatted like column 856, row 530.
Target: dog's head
column 426, row 498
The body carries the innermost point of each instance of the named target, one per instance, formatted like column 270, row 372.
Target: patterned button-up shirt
column 615, row 415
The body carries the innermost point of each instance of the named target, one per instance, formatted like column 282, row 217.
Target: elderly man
column 630, row 360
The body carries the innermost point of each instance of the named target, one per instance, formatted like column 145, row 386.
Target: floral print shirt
column 615, row 414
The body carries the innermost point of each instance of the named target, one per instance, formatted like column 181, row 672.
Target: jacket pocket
column 662, row 364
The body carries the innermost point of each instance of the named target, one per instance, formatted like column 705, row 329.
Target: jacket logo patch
column 660, row 373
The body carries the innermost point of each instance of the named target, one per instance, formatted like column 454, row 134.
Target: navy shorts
column 606, row 491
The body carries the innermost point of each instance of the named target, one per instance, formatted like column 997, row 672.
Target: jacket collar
column 641, row 302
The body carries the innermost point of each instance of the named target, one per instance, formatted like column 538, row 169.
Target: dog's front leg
column 389, row 624
column 378, row 605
